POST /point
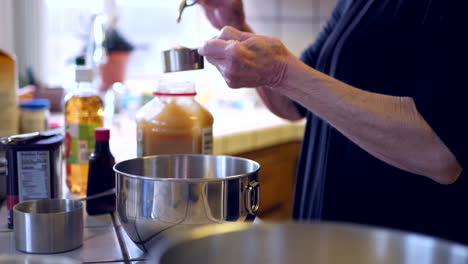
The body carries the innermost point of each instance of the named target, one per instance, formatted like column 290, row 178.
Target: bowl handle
column 252, row 200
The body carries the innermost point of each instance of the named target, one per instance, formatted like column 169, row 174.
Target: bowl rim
column 230, row 177
column 78, row 208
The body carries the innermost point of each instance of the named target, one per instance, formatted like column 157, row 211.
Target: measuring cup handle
column 252, row 200
column 191, row 3
column 98, row 195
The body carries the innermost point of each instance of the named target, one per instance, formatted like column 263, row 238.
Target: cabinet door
column 278, row 168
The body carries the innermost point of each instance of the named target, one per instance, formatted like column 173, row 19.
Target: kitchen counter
column 234, row 131
column 104, row 242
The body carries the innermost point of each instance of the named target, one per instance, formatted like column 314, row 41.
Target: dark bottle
column 101, row 176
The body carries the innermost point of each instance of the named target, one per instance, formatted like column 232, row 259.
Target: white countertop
column 234, row 131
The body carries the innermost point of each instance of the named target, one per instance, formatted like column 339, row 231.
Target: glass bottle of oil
column 84, row 111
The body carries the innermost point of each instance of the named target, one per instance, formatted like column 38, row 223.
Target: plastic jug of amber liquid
column 84, row 111
column 174, row 122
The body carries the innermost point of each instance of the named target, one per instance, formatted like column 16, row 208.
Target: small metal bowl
column 48, row 226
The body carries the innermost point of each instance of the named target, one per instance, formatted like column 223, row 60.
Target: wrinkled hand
column 223, row 13
column 247, row 60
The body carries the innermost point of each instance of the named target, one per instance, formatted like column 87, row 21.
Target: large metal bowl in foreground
column 304, row 243
column 158, row 193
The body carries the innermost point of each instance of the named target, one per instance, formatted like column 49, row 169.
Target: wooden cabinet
column 277, row 176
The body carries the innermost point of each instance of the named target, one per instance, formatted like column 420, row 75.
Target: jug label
column 33, row 175
column 207, row 141
column 80, row 142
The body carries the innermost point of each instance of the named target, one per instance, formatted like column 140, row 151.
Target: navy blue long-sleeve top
column 415, row 48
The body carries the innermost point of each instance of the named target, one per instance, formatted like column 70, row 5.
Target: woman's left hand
column 248, row 60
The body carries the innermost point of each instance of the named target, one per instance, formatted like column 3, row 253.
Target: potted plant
column 118, row 51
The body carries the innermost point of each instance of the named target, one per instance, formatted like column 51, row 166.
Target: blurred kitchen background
column 47, row 35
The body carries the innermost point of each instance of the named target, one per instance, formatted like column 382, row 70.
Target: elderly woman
column 384, row 92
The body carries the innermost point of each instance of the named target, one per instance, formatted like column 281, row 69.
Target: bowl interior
column 48, row 206
column 187, row 167
column 320, row 242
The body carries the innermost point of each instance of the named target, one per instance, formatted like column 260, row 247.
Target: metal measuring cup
column 182, row 59
column 50, row 225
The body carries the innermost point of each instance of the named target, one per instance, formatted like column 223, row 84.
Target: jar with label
column 34, row 115
column 174, row 123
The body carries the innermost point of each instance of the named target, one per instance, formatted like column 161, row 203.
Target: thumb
column 215, row 48
column 230, row 33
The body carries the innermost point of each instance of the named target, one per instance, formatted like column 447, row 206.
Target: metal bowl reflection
column 155, row 194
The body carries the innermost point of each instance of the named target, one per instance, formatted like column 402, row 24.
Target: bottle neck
column 102, row 147
column 85, row 88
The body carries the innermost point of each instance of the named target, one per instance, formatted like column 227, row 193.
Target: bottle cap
column 175, row 88
column 80, row 60
column 83, row 74
column 101, row 134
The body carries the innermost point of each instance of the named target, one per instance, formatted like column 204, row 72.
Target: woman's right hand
column 223, row 13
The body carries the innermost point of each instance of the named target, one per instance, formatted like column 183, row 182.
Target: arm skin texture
column 388, row 127
column 277, row 103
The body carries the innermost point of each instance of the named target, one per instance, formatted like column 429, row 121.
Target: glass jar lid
column 35, row 104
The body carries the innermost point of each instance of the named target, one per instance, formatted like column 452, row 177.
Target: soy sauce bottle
column 101, row 175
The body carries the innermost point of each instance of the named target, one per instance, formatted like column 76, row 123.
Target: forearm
column 388, row 127
column 278, row 104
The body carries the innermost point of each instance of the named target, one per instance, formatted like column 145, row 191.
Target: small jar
column 34, row 115
column 174, row 123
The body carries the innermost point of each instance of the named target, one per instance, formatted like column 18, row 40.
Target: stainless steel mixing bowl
column 304, row 243
column 158, row 193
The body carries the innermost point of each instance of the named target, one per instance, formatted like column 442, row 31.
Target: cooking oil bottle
column 84, row 111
